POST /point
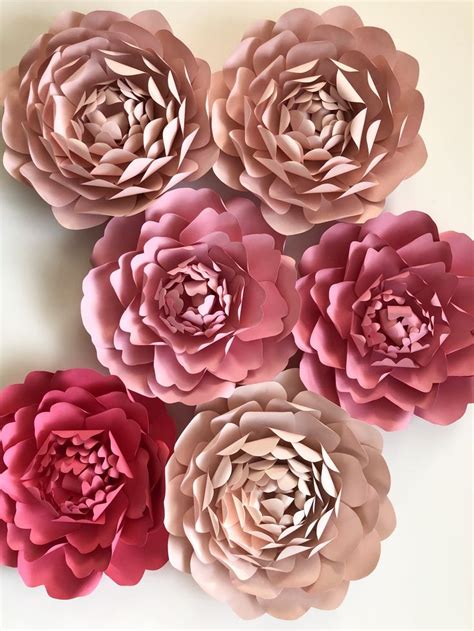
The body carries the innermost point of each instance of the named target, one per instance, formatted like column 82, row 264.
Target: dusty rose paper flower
column 105, row 113
column 387, row 320
column 276, row 500
column 81, row 481
column 318, row 116
column 191, row 297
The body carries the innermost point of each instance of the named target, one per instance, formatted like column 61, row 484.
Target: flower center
column 76, row 473
column 194, row 299
column 397, row 324
column 272, row 502
column 122, row 115
column 313, row 105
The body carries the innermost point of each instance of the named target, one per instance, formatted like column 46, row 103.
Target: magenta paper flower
column 191, row 297
column 317, row 115
column 81, row 481
column 105, row 113
column 387, row 320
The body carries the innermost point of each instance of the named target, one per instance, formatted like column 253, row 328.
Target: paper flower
column 276, row 500
column 81, row 481
column 318, row 116
column 387, row 320
column 105, row 113
column 191, row 297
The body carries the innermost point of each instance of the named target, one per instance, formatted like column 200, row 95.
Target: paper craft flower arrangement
column 275, row 498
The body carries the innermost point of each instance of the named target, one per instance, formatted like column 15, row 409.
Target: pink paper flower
column 81, row 481
column 105, row 113
column 191, row 297
column 276, row 499
column 318, row 116
column 387, row 320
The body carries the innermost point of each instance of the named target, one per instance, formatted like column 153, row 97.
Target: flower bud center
column 76, row 473
column 397, row 324
column 194, row 299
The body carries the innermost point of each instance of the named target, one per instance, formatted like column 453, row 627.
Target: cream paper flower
column 276, row 499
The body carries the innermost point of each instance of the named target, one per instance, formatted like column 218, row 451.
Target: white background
column 424, row 578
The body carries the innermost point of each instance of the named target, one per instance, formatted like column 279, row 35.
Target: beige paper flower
column 276, row 499
column 317, row 115
column 106, row 113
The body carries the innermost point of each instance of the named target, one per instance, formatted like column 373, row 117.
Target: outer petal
column 52, row 571
column 128, row 562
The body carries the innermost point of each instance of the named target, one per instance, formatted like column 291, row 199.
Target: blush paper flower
column 387, row 320
column 81, row 481
column 276, row 499
column 191, row 297
column 105, row 113
column 318, row 116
